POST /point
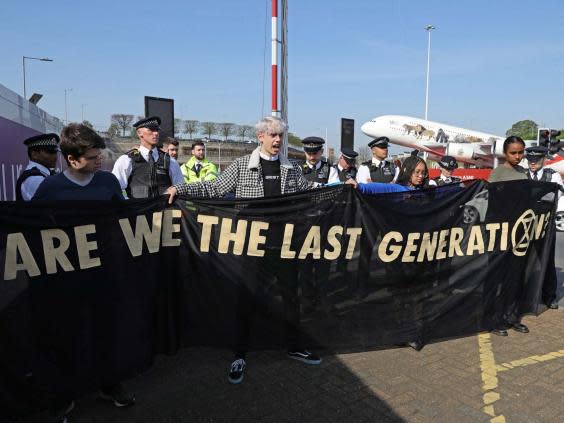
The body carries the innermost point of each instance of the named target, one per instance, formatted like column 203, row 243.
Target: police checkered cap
column 381, row 142
column 448, row 162
column 349, row 153
column 535, row 153
column 43, row 141
column 150, row 122
column 313, row 144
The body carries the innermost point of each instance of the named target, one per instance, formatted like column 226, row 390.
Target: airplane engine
column 460, row 151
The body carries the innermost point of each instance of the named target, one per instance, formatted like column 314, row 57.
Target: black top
column 25, row 174
column 271, row 177
column 103, row 186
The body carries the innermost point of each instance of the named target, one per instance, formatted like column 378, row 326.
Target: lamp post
column 428, row 28
column 82, row 110
column 66, row 114
column 41, row 59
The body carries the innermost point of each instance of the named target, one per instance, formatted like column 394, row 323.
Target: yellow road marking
column 534, row 359
column 489, row 378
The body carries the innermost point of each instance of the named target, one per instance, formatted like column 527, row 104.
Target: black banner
column 91, row 292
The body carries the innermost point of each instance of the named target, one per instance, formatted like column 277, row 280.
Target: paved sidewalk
column 481, row 378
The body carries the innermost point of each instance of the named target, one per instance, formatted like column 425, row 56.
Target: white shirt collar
column 39, row 166
column 376, row 161
column 145, row 152
column 539, row 172
column 317, row 166
column 265, row 157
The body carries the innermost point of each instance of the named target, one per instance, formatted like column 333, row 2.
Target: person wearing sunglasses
column 42, row 152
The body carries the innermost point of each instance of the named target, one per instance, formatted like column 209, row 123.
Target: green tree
column 209, row 129
column 178, row 126
column 526, row 129
column 123, row 121
column 87, row 123
column 113, row 130
column 243, row 131
column 191, row 127
column 294, row 140
column 226, row 129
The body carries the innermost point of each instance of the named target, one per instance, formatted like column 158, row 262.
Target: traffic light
column 555, row 144
column 543, row 137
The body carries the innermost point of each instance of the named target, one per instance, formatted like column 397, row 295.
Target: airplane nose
column 365, row 127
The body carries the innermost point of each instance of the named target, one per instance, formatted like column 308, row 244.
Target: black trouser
column 550, row 284
column 313, row 278
column 262, row 280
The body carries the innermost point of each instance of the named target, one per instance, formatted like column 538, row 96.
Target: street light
column 82, row 108
column 66, row 114
column 428, row 28
column 41, row 59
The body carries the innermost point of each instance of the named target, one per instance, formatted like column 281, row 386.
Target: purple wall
column 14, row 155
column 19, row 119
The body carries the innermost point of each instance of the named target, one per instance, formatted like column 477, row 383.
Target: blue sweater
column 103, row 186
column 381, row 188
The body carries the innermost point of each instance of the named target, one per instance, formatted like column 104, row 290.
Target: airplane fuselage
column 436, row 138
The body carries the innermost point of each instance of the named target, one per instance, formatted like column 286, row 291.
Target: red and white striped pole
column 275, row 57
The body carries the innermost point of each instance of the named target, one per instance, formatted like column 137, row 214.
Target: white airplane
column 437, row 139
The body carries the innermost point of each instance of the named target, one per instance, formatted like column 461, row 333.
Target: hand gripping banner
column 92, row 291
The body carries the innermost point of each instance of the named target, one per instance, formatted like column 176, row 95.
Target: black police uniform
column 148, row 180
column 546, row 175
column 346, row 174
column 320, row 175
column 38, row 141
column 453, row 180
column 550, row 284
column 449, row 163
column 384, row 173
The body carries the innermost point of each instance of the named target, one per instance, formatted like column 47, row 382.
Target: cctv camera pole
column 429, row 28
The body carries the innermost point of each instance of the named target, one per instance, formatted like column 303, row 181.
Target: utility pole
column 428, row 28
column 41, row 59
column 66, row 109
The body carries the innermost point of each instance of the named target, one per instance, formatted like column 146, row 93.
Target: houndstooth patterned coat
column 244, row 177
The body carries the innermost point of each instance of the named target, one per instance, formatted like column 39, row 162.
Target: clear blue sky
column 492, row 62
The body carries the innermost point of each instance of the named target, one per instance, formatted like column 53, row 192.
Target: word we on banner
column 92, row 291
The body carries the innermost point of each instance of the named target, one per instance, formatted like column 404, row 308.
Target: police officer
column 447, row 164
column 42, row 152
column 378, row 169
column 147, row 172
column 315, row 169
column 313, row 274
column 537, row 172
column 345, row 167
